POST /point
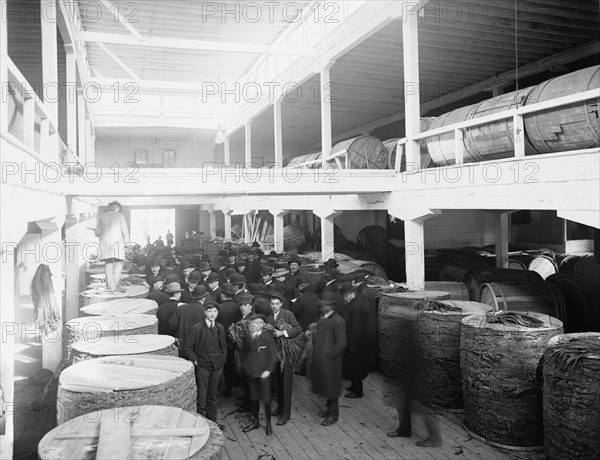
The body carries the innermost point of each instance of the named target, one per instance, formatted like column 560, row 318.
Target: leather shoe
column 283, row 419
column 324, row 413
column 352, row 395
column 348, row 388
column 277, row 411
column 398, row 433
column 268, row 428
column 253, row 426
column 329, row 421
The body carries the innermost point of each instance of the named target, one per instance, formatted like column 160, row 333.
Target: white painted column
column 51, row 255
column 71, row 98
column 246, row 229
column 414, row 244
column 73, row 263
column 278, row 239
column 412, row 109
column 212, row 223
column 90, row 141
column 50, row 76
column 227, row 218
column 9, row 328
column 502, row 231
column 226, row 151
column 248, row 143
column 81, row 128
column 4, row 78
column 325, row 93
column 278, row 134
column 327, row 232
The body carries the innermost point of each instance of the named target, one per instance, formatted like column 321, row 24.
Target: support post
column 278, row 134
column 4, row 78
column 227, row 217
column 414, row 244
column 212, row 224
column 81, row 128
column 73, row 264
column 71, row 98
column 50, row 74
column 327, row 232
column 248, row 143
column 9, row 331
column 412, row 120
column 226, row 151
column 246, row 229
column 502, row 230
column 326, row 142
column 278, row 239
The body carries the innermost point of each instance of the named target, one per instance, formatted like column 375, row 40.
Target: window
column 140, row 157
column 169, row 158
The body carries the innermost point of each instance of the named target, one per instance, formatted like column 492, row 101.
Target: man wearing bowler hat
column 253, row 269
column 167, row 309
column 229, row 313
column 286, row 328
column 112, row 230
column 212, row 286
column 156, row 293
column 188, row 287
column 188, row 314
column 329, row 343
column 306, row 307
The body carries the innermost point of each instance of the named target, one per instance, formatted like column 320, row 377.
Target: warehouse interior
column 415, row 140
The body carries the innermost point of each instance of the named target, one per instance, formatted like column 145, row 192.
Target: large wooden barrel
column 566, row 262
column 396, row 317
column 136, row 432
column 479, row 276
column 457, row 289
column 501, row 379
column 582, row 301
column 535, row 296
column 101, row 294
column 543, row 264
column 127, row 306
column 350, row 266
column 568, row 127
column 438, row 353
column 92, row 328
column 117, row 381
column 490, row 141
column 587, row 264
column 459, row 270
column 392, row 146
column 571, row 403
column 124, row 345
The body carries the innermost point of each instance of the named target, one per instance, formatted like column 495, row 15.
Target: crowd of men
column 255, row 323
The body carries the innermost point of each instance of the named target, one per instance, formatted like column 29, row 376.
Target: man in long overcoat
column 356, row 356
column 329, row 344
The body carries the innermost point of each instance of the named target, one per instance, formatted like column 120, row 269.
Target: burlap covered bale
column 501, row 375
column 126, row 306
column 124, row 345
column 117, row 381
column 437, row 343
column 571, row 398
column 124, row 292
column 92, row 328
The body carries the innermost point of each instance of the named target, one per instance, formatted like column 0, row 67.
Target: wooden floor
column 359, row 434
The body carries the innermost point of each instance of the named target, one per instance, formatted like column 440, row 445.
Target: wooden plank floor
column 359, row 434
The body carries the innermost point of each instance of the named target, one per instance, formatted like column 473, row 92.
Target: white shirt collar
column 209, row 323
column 328, row 314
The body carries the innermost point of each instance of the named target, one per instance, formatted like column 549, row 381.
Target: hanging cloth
column 42, row 295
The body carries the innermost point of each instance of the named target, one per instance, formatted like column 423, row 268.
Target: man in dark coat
column 156, row 293
column 356, row 358
column 281, row 284
column 187, row 315
column 212, row 286
column 286, row 328
column 262, row 298
column 331, row 273
column 189, row 286
column 207, row 349
column 329, row 343
column 167, row 309
column 306, row 306
column 229, row 313
column 368, row 294
column 252, row 271
column 260, row 361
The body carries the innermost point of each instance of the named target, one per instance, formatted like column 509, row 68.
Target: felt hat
column 195, row 276
column 116, row 203
column 277, row 295
column 267, row 270
column 331, row 263
column 227, row 288
column 255, row 244
column 171, row 278
column 199, row 292
column 237, row 278
column 328, row 298
column 243, row 298
column 258, row 316
column 280, row 272
column 155, row 279
column 173, row 287
column 204, row 266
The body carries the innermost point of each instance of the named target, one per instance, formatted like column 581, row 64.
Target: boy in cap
column 259, row 363
column 286, row 328
column 207, row 349
column 167, row 309
column 328, row 344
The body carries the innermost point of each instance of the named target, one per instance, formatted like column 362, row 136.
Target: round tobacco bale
column 457, row 289
column 117, row 381
column 437, row 344
column 582, row 301
column 80, row 437
column 92, row 328
column 121, row 307
column 396, row 315
column 502, row 388
column 102, row 294
column 124, row 345
column 571, row 403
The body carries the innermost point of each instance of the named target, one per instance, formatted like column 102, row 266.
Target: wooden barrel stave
column 479, row 276
column 582, row 301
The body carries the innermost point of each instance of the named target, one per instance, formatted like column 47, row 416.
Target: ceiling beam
column 104, row 121
column 119, row 17
column 195, row 45
column 158, row 85
column 497, row 81
column 118, row 60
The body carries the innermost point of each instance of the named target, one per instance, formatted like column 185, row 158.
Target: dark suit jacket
column 158, row 296
column 196, row 347
column 329, row 343
column 292, row 326
column 164, row 314
column 185, row 317
column 306, row 308
column 229, row 313
column 259, row 355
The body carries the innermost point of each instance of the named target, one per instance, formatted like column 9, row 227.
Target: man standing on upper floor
column 114, row 234
column 286, row 328
column 207, row 349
